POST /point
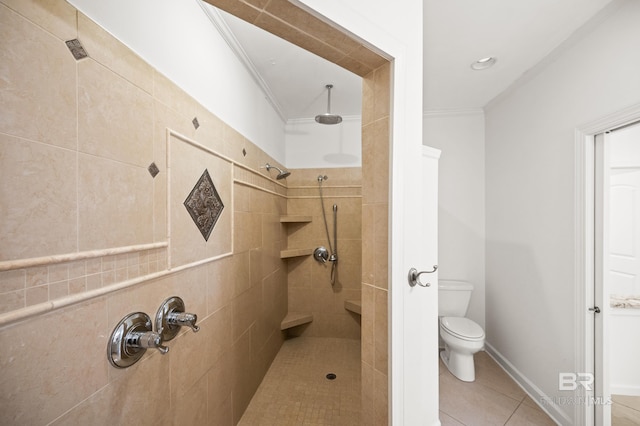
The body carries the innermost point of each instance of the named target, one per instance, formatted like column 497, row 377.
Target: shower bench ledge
column 354, row 306
column 295, row 219
column 295, row 318
column 286, row 254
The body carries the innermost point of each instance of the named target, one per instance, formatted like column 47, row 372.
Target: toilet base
column 460, row 365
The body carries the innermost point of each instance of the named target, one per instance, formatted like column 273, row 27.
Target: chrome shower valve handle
column 171, row 316
column 131, row 338
column 414, row 276
column 146, row 340
column 182, row 319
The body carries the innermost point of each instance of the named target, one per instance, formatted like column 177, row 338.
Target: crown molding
column 221, row 26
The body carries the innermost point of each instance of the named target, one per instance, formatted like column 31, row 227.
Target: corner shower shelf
column 354, row 306
column 295, row 219
column 295, row 318
column 285, row 254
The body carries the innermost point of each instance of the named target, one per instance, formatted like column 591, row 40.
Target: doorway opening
column 603, row 252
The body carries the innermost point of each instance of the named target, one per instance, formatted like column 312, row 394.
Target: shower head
column 283, row 173
column 328, row 118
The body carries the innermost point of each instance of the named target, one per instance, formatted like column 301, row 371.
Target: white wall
column 530, row 193
column 177, row 38
column 461, row 209
column 312, row 145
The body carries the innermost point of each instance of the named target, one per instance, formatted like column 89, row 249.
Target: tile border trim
column 9, row 265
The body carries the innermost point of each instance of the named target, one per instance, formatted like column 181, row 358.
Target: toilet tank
column 453, row 298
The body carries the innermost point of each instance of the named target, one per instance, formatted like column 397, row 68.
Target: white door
column 624, row 228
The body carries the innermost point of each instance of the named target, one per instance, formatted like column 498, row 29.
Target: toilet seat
column 462, row 328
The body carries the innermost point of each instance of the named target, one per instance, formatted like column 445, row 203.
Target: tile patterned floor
column 625, row 410
column 295, row 390
column 493, row 399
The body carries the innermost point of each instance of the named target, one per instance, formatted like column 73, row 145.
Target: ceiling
column 520, row 34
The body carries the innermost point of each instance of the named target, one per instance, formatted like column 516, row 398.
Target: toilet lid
column 463, row 328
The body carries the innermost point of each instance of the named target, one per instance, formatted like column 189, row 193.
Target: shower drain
column 331, row 376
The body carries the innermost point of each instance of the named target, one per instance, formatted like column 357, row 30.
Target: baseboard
column 624, row 390
column 550, row 407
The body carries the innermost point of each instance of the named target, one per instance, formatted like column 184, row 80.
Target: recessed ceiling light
column 484, row 63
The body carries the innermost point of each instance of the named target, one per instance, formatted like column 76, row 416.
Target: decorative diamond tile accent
column 153, row 169
column 244, row 152
column 195, row 122
column 204, row 205
column 76, row 48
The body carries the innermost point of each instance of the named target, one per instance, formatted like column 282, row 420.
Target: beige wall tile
column 191, row 408
column 245, row 308
column 115, row 118
column 171, row 96
column 299, row 272
column 12, row 301
column 56, row 16
column 368, row 411
column 380, row 399
column 220, row 389
column 368, row 103
column 116, row 204
column 36, row 276
column 107, row 50
column 239, row 9
column 58, row 290
column 247, row 231
column 382, row 92
column 368, row 318
column 45, row 77
column 210, row 132
column 244, row 384
column 381, row 323
column 36, row 295
column 124, row 398
column 220, row 284
column 13, row 280
column 63, row 377
column 240, row 274
column 190, row 359
column 37, row 199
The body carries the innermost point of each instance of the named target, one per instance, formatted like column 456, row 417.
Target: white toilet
column 461, row 336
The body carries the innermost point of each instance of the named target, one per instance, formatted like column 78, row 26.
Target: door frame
column 585, row 264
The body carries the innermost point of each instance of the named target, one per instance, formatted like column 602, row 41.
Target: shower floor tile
column 296, row 391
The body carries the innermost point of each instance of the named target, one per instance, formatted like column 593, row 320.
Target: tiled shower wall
column 375, row 243
column 87, row 235
column 310, row 288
